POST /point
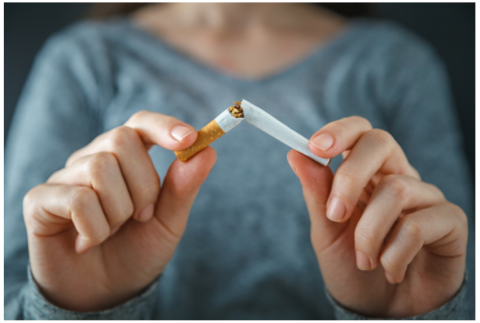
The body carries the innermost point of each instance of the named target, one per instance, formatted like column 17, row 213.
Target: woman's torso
column 246, row 252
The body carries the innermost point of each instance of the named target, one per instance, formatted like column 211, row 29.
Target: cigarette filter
column 265, row 122
column 226, row 121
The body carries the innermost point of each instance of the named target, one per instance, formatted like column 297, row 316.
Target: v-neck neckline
column 304, row 62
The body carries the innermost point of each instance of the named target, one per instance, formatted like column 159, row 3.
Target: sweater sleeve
column 455, row 309
column 59, row 112
column 37, row 307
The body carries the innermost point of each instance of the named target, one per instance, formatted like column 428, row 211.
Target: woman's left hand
column 388, row 244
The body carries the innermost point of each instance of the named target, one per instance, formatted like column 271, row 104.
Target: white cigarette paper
column 265, row 122
column 226, row 121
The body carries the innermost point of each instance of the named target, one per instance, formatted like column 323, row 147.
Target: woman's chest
column 305, row 100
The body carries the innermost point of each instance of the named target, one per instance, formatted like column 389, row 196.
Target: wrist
column 37, row 306
column 455, row 308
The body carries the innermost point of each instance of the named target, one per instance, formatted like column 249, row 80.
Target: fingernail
column 390, row 278
column 81, row 244
column 323, row 141
column 145, row 214
column 363, row 263
column 180, row 132
column 336, row 210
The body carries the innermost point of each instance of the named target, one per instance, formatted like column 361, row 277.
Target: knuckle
column 121, row 137
column 180, row 190
column 53, row 177
column 395, row 185
column 460, row 214
column 361, row 120
column 81, row 199
column 29, row 199
column 72, row 158
column 364, row 239
column 414, row 173
column 346, row 176
column 175, row 191
column 463, row 219
column 345, row 184
column 314, row 237
column 138, row 115
column 30, row 202
column 335, row 124
column 337, row 127
column 100, row 163
column 382, row 137
column 345, row 125
column 411, row 229
column 150, row 188
column 436, row 191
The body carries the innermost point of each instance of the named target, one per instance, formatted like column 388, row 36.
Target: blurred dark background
column 449, row 27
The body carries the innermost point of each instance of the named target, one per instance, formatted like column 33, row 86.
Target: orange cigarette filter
column 222, row 124
column 206, row 136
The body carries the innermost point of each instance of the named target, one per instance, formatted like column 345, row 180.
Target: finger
column 102, row 173
column 152, row 128
column 48, row 209
column 182, row 183
column 135, row 163
column 441, row 228
column 316, row 181
column 338, row 136
column 162, row 130
column 376, row 151
column 394, row 194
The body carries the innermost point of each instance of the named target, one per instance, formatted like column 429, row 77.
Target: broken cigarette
column 226, row 121
column 249, row 112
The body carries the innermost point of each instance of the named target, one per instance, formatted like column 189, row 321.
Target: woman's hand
column 103, row 228
column 388, row 244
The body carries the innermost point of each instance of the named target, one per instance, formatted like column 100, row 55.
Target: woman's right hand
column 103, row 228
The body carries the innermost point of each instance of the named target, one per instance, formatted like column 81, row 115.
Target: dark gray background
column 449, row 27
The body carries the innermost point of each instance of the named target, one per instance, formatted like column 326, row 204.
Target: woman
column 108, row 237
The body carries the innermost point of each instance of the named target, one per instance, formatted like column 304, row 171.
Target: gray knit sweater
column 248, row 257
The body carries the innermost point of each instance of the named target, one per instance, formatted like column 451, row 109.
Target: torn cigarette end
column 206, row 136
column 236, row 110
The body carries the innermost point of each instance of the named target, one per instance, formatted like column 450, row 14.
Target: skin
column 400, row 248
column 247, row 41
column 103, row 228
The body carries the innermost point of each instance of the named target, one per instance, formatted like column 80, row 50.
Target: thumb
column 181, row 185
column 316, row 182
